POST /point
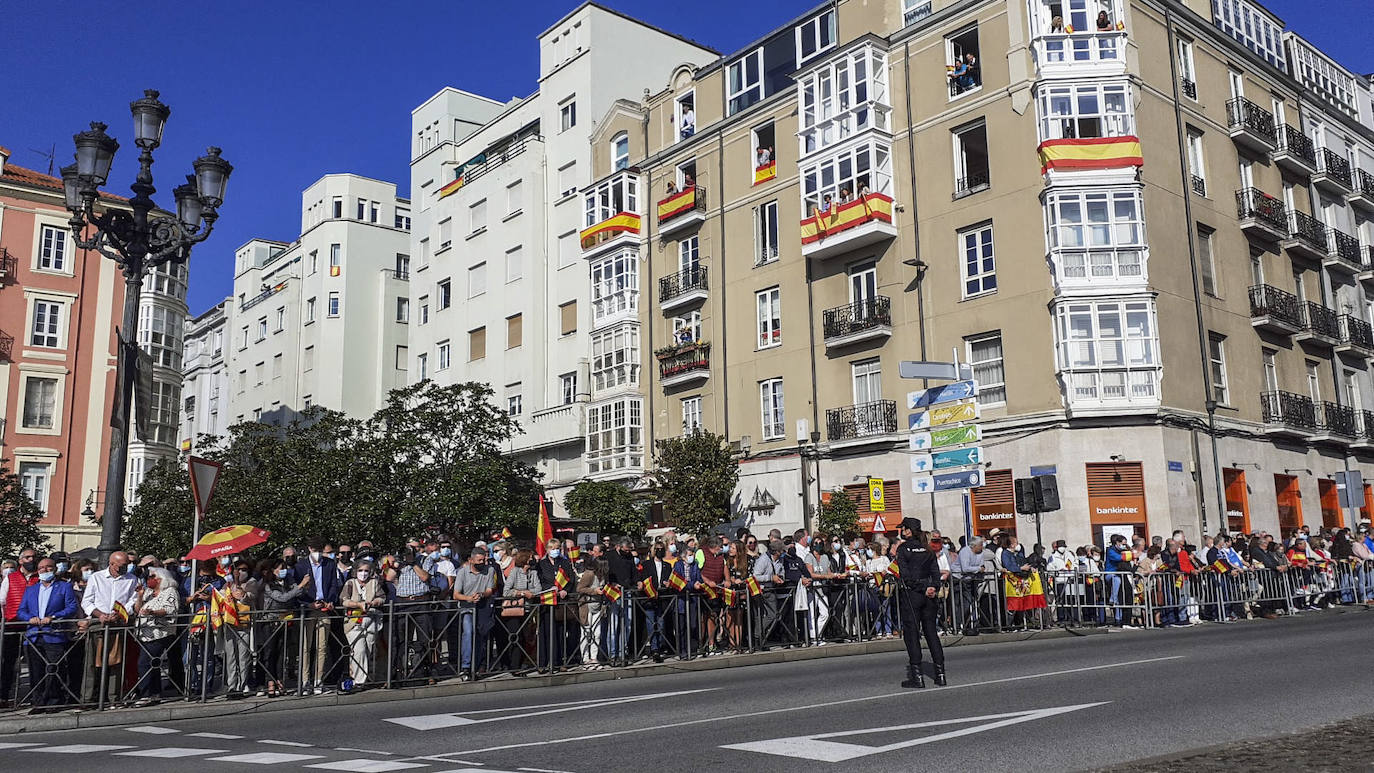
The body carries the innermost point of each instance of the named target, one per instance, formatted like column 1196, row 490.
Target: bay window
column 842, row 97
column 615, row 436
column 1107, row 351
column 853, row 172
column 611, row 197
column 1085, row 111
column 159, row 333
column 615, row 286
column 1096, row 235
column 615, row 357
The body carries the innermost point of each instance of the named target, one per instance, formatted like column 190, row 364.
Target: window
column 374, row 211
column 243, row 380
column 863, row 285
column 477, row 343
column 770, row 396
column 362, row 209
column 445, row 355
column 567, row 388
column 1236, row 81
column 567, row 179
column 1206, row 261
column 477, row 280
column 477, row 217
column 569, row 251
column 615, row 357
column 40, row 402
column 1254, row 29
column 567, row 318
column 914, row 10
column 868, row 381
column 620, row 152
column 514, row 264
column 338, row 207
column 335, row 259
column 313, row 261
column 403, row 219
column 685, row 115
column 281, row 319
column 1329, row 80
column 515, row 198
column 402, row 357
column 766, row 233
column 34, row 477
column 1096, row 236
column 1314, row 388
column 333, row 310
column 567, row 114
column 615, row 286
column 402, row 266
column 691, row 414
column 514, row 331
column 52, row 248
column 1187, row 71
column 422, row 365
column 976, row 262
column 815, row 35
column 687, row 328
column 615, row 435
column 1256, row 266
column 971, row 159
column 443, row 293
column 744, row 81
column 424, row 310
column 985, row 356
column 515, row 403
column 1216, row 359
column 445, row 233
column 276, row 366
column 424, row 253
column 1108, row 349
column 262, row 328
column 1085, row 111
column 259, row 373
column 47, row 324
column 764, row 149
column 689, row 254
column 1197, row 170
column 846, row 95
column 402, row 309
column 962, row 52
column 855, row 171
column 243, row 337
column 769, row 305
column 611, row 197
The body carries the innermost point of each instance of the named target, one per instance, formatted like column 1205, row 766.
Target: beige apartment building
column 1148, row 233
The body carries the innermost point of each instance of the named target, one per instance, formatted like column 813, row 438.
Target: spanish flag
column 1220, row 566
column 120, row 612
column 894, row 570
column 676, row 204
column 505, row 532
column 575, row 553
column 766, row 172
column 611, row 227
column 879, row 579
column 561, row 579
column 841, row 217
column 612, row 592
column 647, row 585
column 544, row 530
column 228, row 608
column 1127, row 555
column 1090, row 153
column 708, row 591
column 452, row 188
column 752, row 584
column 728, row 594
column 549, row 597
column 677, row 582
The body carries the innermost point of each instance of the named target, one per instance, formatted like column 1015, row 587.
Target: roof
column 629, row 18
column 24, row 176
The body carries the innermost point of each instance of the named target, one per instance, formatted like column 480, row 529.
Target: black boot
column 914, row 678
column 940, row 675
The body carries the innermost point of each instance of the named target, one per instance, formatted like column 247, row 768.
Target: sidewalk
column 165, row 712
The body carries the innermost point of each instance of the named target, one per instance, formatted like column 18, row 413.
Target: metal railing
column 9, row 266
column 857, row 317
column 1338, row 419
column 1198, row 184
column 973, row 182
column 1295, row 143
column 1320, row 320
column 684, row 281
column 1363, row 182
column 862, row 420
column 1356, row 332
column 1308, row 229
column 694, row 358
column 398, row 274
column 1252, row 203
column 698, row 204
column 1273, row 302
column 1288, row 409
column 1344, row 246
column 1336, row 167
column 498, row 158
column 1241, row 113
column 1189, row 88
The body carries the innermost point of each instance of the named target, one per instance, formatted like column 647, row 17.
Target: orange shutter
column 1289, row 500
column 1237, row 501
column 1331, row 504
column 994, row 503
column 1116, row 494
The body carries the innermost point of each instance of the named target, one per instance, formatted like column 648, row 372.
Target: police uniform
column 919, row 569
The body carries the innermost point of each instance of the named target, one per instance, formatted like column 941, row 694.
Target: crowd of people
column 329, row 616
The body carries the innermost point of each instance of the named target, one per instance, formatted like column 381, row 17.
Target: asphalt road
column 1067, row 704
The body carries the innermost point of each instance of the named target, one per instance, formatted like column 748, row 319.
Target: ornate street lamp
column 138, row 241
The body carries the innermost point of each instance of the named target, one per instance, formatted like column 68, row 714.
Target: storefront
column 871, row 521
column 1289, row 499
column 1237, row 501
column 1116, row 499
column 994, row 503
column 1330, row 503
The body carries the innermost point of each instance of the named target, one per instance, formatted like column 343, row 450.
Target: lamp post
column 138, row 241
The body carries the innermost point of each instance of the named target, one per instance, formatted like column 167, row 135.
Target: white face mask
column 364, row 575
column 315, row 556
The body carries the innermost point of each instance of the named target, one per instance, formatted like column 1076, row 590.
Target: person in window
column 672, row 188
column 765, row 155
column 1057, row 24
column 688, row 182
column 957, row 73
column 846, row 195
column 827, row 203
column 972, row 75
column 1104, row 22
column 689, row 121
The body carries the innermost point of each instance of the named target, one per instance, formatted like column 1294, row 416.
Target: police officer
column 919, row 570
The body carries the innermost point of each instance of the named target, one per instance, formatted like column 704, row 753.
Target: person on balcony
column 846, row 195
column 1057, row 24
column 672, row 188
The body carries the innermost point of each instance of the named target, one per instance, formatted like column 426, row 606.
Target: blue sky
column 294, row 90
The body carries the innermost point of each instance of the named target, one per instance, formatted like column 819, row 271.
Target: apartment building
column 323, row 320
column 1186, row 346
column 161, row 323
column 503, row 291
column 205, row 373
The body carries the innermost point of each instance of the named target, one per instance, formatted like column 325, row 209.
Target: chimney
column 4, row 156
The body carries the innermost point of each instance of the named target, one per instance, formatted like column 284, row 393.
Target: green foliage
column 696, row 479
column 839, row 517
column 19, row 516
column 610, row 507
column 428, row 461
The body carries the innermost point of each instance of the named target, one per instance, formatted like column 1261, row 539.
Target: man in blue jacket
column 320, row 594
column 44, row 605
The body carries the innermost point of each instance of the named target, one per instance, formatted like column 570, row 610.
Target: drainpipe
column 646, row 342
column 720, row 276
column 916, row 227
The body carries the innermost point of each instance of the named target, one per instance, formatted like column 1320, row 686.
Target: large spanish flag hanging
column 841, row 217
column 611, row 227
column 1092, row 153
column 452, row 188
column 676, row 204
column 766, row 172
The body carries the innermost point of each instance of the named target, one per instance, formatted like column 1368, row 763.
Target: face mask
column 434, row 555
column 289, row 558
column 835, row 546
column 315, row 556
column 673, row 549
column 329, row 556
column 445, row 552
column 185, row 567
column 6, row 571
column 555, row 553
column 224, row 561
column 658, row 552
column 46, row 576
column 28, row 565
column 345, row 557
column 497, row 554
column 281, row 574
column 868, row 553
column 364, row 575
column 86, row 575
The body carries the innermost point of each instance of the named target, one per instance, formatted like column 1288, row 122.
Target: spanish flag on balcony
column 1090, row 153
column 452, row 188
column 676, row 204
column 766, row 172
column 611, row 227
column 842, row 217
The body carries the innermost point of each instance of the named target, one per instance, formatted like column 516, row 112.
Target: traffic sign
column 947, row 371
column 923, row 484
column 949, row 481
column 943, row 460
column 875, row 495
column 955, row 436
column 944, row 414
column 945, row 393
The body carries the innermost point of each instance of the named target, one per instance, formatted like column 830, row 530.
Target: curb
column 180, row 710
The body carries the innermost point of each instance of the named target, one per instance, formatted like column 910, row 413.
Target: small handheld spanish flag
column 612, row 592
column 575, row 553
column 1178, row 581
column 549, row 597
column 728, row 594
column 879, row 579
column 709, row 592
column 752, row 584
column 677, row 581
column 1220, row 566
column 120, row 612
column 561, row 579
column 505, row 532
column 1127, row 555
column 894, row 570
column 647, row 584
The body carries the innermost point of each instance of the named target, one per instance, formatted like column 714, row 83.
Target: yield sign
column 204, row 473
column 820, row 748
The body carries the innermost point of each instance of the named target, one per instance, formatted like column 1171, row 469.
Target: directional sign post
column 939, row 415
column 944, row 430
column 948, row 393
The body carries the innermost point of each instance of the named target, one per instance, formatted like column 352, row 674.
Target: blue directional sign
column 950, row 481
column 945, row 393
column 958, row 457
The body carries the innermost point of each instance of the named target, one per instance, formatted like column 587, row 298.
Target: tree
column 610, row 507
column 839, row 517
column 160, row 522
column 19, row 516
column 696, row 476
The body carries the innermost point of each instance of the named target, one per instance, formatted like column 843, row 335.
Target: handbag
column 513, row 608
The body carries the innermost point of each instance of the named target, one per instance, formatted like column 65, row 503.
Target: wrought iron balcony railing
column 1252, row 203
column 863, row 420
column 1288, row 409
column 1356, row 332
column 1267, row 301
column 1189, row 88
column 1241, row 113
column 681, row 283
column 1292, row 140
column 1336, row 167
column 1321, row 321
column 857, row 317
column 1308, row 229
column 1338, row 419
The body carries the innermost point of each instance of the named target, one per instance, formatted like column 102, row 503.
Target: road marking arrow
column 456, row 719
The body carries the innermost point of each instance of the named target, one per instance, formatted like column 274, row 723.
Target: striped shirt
column 409, row 583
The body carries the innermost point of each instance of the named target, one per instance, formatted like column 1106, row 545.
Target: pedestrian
column 362, row 599
column 591, row 585
column 521, row 588
column 108, row 597
column 13, row 583
column 967, row 573
column 919, row 570
column 156, row 608
column 236, row 615
column 278, row 601
column 473, row 586
column 557, row 639
column 413, row 594
column 322, row 592
column 45, row 604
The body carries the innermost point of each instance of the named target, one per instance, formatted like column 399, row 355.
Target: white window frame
column 1197, row 162
column 768, row 314
column 846, row 95
column 951, row 58
column 977, row 260
column 53, row 252
column 515, row 264
column 1207, row 262
column 817, row 27
column 1097, row 235
column 737, row 86
column 1314, row 383
column 990, row 371
column 334, row 305
column 915, row 10
column 691, row 323
column 47, row 323
column 620, row 151
column 772, row 409
column 1253, row 29
column 335, row 256
column 567, row 114
column 515, row 198
column 680, row 108
column 615, row 358
column 28, row 372
column 691, row 414
column 615, row 287
column 866, row 380
column 443, row 294
column 477, row 279
column 1056, row 123
column 35, row 477
column 1269, row 369
column 309, row 315
column 477, row 217
column 262, row 329
column 1187, row 66
column 1216, row 361
column 826, row 177
column 422, row 365
column 615, row 435
column 961, row 161
column 443, row 355
column 1108, row 366
column 567, row 179
column 611, row 197
column 567, row 388
column 402, row 309
column 515, row 401
column 766, row 234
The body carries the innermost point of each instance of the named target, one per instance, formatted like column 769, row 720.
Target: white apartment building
column 161, row 321
column 323, row 320
column 502, row 292
column 205, row 375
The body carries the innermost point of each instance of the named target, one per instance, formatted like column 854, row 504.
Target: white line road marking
column 267, row 758
column 220, row 736
column 818, row 748
column 455, row 719
column 78, row 748
column 171, row 752
column 17, row 745
column 790, row 709
column 152, row 730
column 365, row 766
column 297, row 744
column 362, row 751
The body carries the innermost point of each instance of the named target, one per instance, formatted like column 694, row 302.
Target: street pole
column 112, row 517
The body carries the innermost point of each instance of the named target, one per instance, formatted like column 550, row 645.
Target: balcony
column 1251, row 125
column 9, row 266
column 683, row 288
column 1367, row 263
column 1189, row 88
column 1320, row 325
column 1362, row 196
column 1342, row 252
column 1335, row 423
column 865, row 421
column 1261, row 215
column 1364, row 437
column 1288, row 414
column 848, row 226
column 681, row 211
column 1357, row 337
column 554, row 426
column 618, row 230
column 856, row 322
column 1081, row 53
column 1295, row 152
column 1333, row 174
column 610, row 216
column 1306, row 236
column 975, row 181
column 683, row 364
column 6, row 347
column 1274, row 310
column 1111, row 391
column 1198, row 185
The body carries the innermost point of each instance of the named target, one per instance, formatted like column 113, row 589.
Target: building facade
column 502, row 292
column 205, row 373
column 161, row 324
column 1187, row 346
column 323, row 320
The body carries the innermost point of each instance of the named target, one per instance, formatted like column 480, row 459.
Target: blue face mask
column 185, row 568
column 281, row 574
column 46, row 576
column 555, row 553
column 86, row 575
column 445, row 552
column 61, row 566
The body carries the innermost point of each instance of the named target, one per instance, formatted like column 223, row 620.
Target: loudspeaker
column 1025, row 495
column 1047, row 493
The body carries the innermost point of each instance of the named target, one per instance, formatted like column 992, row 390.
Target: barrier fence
column 86, row 664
